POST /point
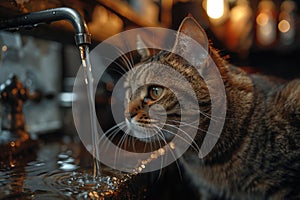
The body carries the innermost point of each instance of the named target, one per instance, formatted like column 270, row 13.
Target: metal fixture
column 32, row 20
column 13, row 137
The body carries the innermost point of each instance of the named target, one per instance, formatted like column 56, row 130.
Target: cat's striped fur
column 258, row 153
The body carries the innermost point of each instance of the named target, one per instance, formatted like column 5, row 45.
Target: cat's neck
column 240, row 94
column 239, row 89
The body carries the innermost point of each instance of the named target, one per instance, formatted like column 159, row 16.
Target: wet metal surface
column 62, row 169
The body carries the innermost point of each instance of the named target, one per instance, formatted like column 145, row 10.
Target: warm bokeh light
column 266, row 23
column 215, row 8
column 262, row 19
column 4, row 48
column 284, row 26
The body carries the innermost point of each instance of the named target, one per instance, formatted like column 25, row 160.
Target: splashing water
column 87, row 68
column 57, row 170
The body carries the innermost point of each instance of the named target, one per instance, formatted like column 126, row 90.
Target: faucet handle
column 13, row 92
column 13, row 137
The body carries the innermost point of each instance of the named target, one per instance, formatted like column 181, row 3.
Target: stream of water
column 62, row 170
column 86, row 64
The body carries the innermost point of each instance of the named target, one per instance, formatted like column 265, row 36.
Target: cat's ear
column 188, row 29
column 142, row 49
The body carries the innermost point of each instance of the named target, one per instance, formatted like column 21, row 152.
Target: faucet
column 13, row 137
column 33, row 19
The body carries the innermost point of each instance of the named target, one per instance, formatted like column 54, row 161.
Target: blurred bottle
column 266, row 23
column 239, row 34
column 286, row 25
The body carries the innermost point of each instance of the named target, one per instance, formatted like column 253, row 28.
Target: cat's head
column 153, row 108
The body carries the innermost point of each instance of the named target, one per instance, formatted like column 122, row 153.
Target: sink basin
column 61, row 168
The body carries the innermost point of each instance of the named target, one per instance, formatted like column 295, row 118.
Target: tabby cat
column 258, row 153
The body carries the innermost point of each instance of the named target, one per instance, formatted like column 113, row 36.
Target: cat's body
column 258, row 153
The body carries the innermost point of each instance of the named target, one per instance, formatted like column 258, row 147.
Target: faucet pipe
column 33, row 19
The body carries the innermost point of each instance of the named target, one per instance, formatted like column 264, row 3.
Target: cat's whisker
column 221, row 118
column 120, row 143
column 132, row 140
column 124, row 70
column 111, row 138
column 131, row 60
column 128, row 63
column 113, row 128
column 161, row 136
column 145, row 146
column 119, row 125
column 128, row 140
column 151, row 146
column 185, row 124
column 214, row 118
column 114, row 134
column 194, row 127
column 209, row 116
column 127, row 44
column 194, row 146
column 121, row 71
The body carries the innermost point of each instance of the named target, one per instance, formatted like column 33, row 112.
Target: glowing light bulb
column 284, row 26
column 215, row 8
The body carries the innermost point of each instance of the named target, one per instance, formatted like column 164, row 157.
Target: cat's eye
column 155, row 92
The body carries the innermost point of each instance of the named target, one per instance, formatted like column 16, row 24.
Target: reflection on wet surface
column 60, row 169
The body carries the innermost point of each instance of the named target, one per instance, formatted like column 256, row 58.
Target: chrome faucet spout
column 33, row 19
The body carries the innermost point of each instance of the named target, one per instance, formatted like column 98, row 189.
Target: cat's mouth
column 149, row 133
column 141, row 132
